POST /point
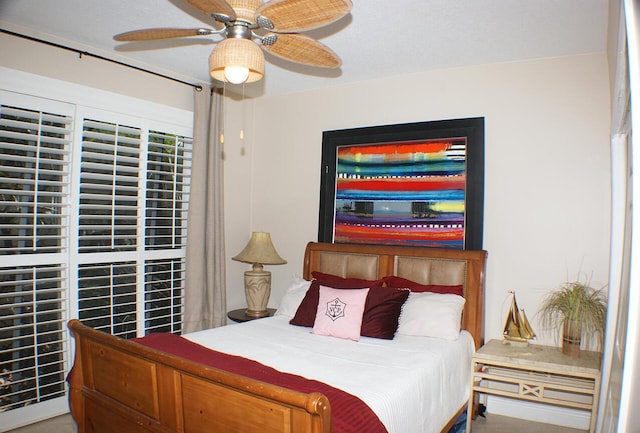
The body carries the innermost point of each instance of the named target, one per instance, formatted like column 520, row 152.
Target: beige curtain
column 205, row 295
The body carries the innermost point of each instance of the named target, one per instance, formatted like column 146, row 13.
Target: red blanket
column 349, row 413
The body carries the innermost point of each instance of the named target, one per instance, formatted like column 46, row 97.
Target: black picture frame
column 469, row 129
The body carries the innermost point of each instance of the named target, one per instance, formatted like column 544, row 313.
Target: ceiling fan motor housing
column 246, row 9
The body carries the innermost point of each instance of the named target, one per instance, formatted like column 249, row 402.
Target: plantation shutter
column 167, row 197
column 107, row 297
column 164, row 295
column 80, row 190
column 109, row 183
column 134, row 189
column 168, row 177
column 34, row 217
column 35, row 178
column 32, row 334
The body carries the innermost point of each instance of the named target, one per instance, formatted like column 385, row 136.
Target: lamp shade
column 260, row 250
column 237, row 54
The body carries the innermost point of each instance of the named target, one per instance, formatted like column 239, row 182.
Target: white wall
column 547, row 180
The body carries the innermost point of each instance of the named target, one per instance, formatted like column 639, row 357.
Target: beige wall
column 546, row 214
column 547, row 158
column 41, row 59
column 547, row 175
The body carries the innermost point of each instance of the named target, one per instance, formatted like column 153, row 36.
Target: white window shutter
column 107, row 297
column 167, row 190
column 93, row 214
column 164, row 295
column 34, row 216
column 109, row 183
column 34, row 180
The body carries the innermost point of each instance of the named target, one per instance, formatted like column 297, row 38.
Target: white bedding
column 413, row 384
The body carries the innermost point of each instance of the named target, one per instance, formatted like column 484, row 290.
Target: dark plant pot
column 571, row 337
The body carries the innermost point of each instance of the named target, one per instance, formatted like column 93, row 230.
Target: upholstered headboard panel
column 448, row 272
column 419, row 269
column 422, row 265
column 348, row 265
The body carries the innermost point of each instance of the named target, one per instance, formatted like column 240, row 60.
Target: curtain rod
column 97, row 56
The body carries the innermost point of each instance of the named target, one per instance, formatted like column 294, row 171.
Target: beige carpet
column 503, row 424
column 492, row 424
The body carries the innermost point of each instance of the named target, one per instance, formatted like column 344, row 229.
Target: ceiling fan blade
column 302, row 49
column 159, row 33
column 301, row 15
column 211, row 7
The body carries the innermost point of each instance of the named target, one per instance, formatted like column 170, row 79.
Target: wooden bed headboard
column 422, row 265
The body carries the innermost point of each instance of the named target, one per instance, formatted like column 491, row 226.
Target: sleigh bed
column 166, row 383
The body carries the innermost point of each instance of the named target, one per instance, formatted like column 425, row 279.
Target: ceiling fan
column 274, row 25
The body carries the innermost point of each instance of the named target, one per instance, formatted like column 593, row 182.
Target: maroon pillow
column 306, row 313
column 344, row 283
column 399, row 282
column 381, row 310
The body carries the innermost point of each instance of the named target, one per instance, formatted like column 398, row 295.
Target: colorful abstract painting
column 409, row 193
column 416, row 184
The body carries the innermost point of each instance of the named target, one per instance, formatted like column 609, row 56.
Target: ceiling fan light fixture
column 232, row 58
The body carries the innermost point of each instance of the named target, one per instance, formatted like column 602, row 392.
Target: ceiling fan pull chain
column 243, row 115
column 224, row 95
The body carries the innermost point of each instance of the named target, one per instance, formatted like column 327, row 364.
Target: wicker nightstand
column 537, row 373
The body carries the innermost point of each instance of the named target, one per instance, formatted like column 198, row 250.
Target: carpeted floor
column 491, row 424
column 503, row 424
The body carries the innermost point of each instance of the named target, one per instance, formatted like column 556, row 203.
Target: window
column 93, row 212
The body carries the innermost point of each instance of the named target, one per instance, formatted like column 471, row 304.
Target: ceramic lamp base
column 257, row 289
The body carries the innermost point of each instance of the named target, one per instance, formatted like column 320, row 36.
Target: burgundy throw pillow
column 399, row 282
column 306, row 313
column 342, row 282
column 381, row 311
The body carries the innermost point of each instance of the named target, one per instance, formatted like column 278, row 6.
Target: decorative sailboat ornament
column 517, row 330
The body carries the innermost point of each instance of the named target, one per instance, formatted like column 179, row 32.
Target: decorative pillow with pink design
column 340, row 312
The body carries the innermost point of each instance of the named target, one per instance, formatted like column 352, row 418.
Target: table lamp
column 257, row 282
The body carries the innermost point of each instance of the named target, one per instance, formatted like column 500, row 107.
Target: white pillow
column 339, row 312
column 431, row 315
column 293, row 297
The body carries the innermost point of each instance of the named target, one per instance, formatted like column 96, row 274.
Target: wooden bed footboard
column 121, row 386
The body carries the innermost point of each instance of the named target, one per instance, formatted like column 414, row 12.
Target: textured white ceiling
column 379, row 38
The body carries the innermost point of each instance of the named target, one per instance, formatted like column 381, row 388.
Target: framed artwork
column 419, row 184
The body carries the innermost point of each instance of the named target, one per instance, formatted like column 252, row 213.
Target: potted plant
column 575, row 310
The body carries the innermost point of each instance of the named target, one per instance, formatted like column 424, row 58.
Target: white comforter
column 413, row 384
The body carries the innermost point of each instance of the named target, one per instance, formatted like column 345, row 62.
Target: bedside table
column 240, row 315
column 537, row 373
